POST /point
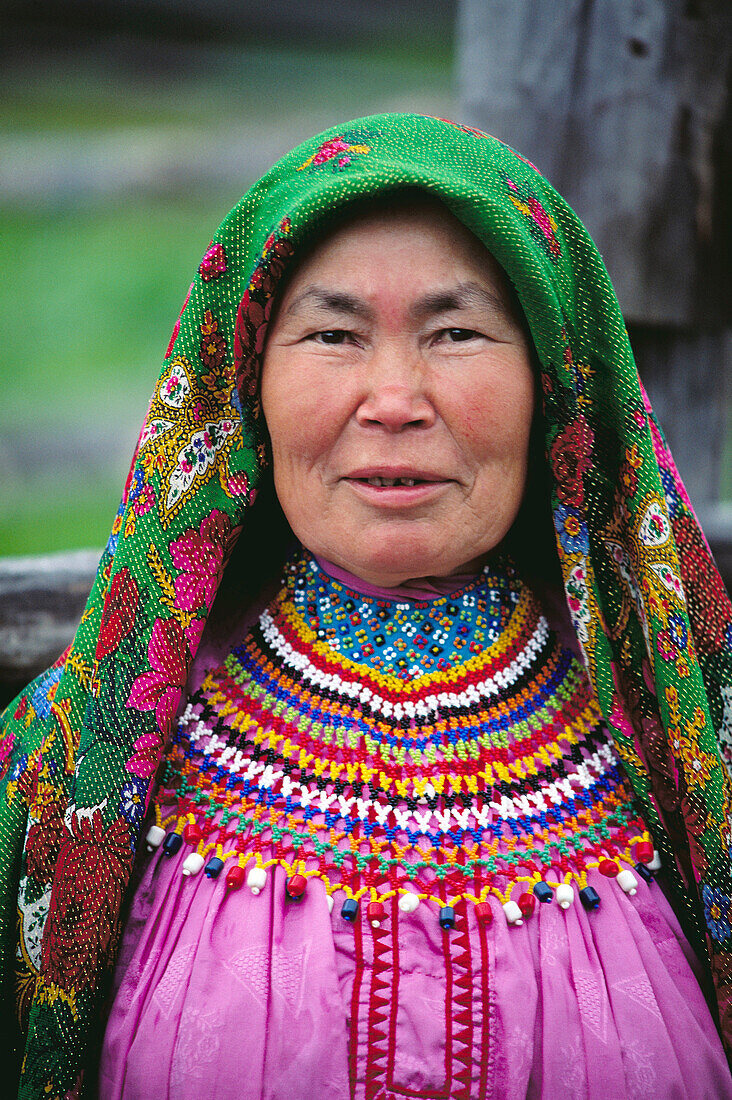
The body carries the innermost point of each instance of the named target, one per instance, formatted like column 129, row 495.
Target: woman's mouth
column 389, row 482
column 396, row 491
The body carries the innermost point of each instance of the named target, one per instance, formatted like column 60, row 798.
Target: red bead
column 375, row 912
column 527, row 904
column 192, row 834
column 484, row 912
column 608, row 868
column 295, row 886
column 235, row 877
column 644, row 852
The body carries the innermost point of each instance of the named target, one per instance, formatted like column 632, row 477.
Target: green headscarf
column 82, row 744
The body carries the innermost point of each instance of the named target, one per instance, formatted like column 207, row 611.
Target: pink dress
column 223, row 994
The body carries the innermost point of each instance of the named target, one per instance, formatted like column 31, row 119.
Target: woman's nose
column 394, row 391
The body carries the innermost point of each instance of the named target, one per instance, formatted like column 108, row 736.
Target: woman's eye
column 459, row 335
column 455, row 336
column 332, row 336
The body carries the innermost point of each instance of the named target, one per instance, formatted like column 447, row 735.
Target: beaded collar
column 443, row 752
column 408, row 638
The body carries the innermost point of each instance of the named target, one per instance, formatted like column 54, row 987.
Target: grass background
column 92, row 284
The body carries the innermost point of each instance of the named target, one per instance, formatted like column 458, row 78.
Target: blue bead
column 589, row 897
column 447, row 917
column 214, row 867
column 349, row 910
column 543, row 892
column 172, row 843
column 644, row 872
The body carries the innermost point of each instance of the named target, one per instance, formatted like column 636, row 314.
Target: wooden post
column 623, row 105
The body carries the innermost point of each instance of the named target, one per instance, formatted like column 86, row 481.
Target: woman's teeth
column 382, row 482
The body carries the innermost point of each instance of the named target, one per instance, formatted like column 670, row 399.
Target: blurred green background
column 118, row 159
column 127, row 132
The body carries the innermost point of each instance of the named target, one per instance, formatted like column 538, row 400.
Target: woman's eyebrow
column 461, row 296
column 332, row 301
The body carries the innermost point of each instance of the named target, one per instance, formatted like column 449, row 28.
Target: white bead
column 193, row 863
column 256, row 880
column 155, row 837
column 408, row 903
column 329, row 902
column 513, row 913
column 655, row 863
column 564, row 895
column 628, row 882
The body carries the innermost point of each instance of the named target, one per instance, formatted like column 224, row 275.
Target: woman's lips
column 401, row 490
column 395, row 472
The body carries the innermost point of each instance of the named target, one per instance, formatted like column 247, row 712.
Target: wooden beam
column 41, row 601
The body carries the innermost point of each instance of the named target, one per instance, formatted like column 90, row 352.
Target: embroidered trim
column 374, row 1021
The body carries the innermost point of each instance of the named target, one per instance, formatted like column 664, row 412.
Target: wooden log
column 41, row 601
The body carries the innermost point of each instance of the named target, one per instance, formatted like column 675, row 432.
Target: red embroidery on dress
column 378, row 1032
column 355, row 1000
column 448, row 1005
column 395, row 986
column 486, row 1050
column 462, row 1009
column 379, row 1013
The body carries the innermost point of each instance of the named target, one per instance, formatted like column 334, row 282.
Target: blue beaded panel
column 405, row 638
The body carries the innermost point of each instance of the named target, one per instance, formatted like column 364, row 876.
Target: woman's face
column 398, row 393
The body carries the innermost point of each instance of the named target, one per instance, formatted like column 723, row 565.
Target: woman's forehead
column 400, row 211
column 391, row 230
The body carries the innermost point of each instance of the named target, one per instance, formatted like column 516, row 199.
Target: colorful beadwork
column 491, row 774
column 407, row 639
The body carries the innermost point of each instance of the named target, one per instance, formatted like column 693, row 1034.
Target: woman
column 390, row 830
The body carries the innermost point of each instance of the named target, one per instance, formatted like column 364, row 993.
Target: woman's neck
column 421, row 588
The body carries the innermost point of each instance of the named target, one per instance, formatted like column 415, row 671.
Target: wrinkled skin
column 395, row 353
